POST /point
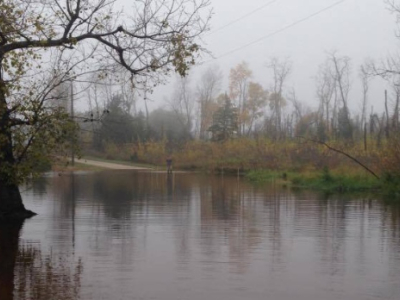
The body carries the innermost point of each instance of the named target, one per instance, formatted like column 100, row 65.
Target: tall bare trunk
column 395, row 119
column 387, row 115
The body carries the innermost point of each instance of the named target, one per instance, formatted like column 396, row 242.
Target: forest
column 259, row 129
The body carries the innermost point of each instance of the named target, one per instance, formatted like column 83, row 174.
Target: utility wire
column 278, row 31
column 243, row 17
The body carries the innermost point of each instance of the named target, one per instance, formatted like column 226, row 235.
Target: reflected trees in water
column 194, row 226
column 46, row 276
column 9, row 238
column 26, row 272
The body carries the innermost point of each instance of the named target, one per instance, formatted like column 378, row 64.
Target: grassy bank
column 294, row 162
column 330, row 181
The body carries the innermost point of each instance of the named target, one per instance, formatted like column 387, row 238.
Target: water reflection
column 27, row 273
column 190, row 236
column 39, row 276
column 9, row 235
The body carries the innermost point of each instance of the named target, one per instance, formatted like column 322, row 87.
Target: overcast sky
column 359, row 29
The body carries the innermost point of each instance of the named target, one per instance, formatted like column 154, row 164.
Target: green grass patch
column 391, row 186
column 261, row 176
column 323, row 180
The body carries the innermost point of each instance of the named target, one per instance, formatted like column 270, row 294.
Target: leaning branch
column 344, row 153
column 59, row 42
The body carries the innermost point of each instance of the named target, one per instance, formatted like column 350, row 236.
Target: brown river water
column 148, row 235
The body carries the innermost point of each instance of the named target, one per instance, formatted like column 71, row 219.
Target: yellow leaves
column 15, row 64
column 38, row 25
column 184, row 51
column 238, row 78
column 257, row 99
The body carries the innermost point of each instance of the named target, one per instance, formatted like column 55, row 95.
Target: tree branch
column 341, row 152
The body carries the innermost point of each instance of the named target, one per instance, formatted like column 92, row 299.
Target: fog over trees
column 271, row 107
column 348, row 98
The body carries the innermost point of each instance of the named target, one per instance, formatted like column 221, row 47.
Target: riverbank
column 330, row 181
column 336, row 166
column 342, row 180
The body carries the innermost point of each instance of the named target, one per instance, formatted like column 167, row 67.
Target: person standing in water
column 169, row 164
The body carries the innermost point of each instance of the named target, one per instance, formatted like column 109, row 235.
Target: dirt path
column 108, row 165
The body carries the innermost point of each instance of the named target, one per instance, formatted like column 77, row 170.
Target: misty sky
column 359, row 29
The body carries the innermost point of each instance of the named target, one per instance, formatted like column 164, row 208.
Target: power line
column 243, row 17
column 278, row 31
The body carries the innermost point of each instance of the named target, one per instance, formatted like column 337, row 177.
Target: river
column 126, row 234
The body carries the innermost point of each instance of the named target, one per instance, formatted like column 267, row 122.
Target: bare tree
column 365, row 79
column 342, row 76
column 396, row 106
column 280, row 72
column 341, row 68
column 207, row 90
column 389, row 66
column 182, row 102
column 298, row 107
column 326, row 86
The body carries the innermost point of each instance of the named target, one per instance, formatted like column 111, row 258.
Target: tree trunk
column 11, row 202
column 387, row 127
column 9, row 237
column 11, row 205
